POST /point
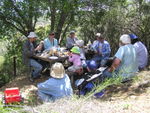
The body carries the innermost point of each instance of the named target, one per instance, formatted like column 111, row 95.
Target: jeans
column 100, row 60
column 37, row 68
column 45, row 97
column 107, row 74
column 97, row 58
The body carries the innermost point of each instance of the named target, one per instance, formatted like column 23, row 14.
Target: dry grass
column 130, row 97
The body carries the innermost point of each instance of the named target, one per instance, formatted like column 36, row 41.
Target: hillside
column 129, row 97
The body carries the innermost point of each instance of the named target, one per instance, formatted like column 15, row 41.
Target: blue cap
column 92, row 64
column 133, row 36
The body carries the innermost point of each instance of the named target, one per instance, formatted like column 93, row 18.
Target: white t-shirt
column 142, row 54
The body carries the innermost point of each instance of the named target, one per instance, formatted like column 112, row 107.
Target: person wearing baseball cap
column 29, row 49
column 141, row 50
column 71, row 40
column 125, row 62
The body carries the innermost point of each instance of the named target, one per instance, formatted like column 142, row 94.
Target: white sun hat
column 98, row 34
column 32, row 35
column 80, row 43
column 57, row 70
column 125, row 39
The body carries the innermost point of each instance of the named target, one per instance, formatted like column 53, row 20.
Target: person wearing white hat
column 102, row 50
column 80, row 44
column 71, row 40
column 125, row 62
column 56, row 87
column 29, row 49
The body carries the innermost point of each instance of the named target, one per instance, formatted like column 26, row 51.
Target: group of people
column 131, row 57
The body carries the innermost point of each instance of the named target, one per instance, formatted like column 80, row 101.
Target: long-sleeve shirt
column 70, row 42
column 55, row 88
column 48, row 44
column 103, row 48
column 28, row 51
column 75, row 59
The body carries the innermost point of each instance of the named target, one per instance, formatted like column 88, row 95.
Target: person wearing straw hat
column 141, row 50
column 29, row 49
column 125, row 62
column 56, row 87
column 71, row 40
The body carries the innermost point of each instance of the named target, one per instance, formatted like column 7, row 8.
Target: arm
column 71, row 58
column 46, row 46
column 27, row 51
column 95, row 46
column 115, row 64
column 107, row 51
column 55, row 42
column 119, row 56
column 47, row 85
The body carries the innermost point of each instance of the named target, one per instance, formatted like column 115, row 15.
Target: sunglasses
column 51, row 34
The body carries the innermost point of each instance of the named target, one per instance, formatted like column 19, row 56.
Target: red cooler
column 12, row 95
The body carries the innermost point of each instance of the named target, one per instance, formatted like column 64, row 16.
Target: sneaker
column 99, row 94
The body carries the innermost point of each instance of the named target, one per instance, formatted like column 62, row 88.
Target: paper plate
column 53, row 57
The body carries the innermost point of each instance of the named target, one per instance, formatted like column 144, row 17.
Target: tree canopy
column 110, row 17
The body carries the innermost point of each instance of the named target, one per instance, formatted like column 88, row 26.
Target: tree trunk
column 60, row 25
column 66, row 28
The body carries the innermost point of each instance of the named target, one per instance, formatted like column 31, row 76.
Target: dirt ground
column 129, row 97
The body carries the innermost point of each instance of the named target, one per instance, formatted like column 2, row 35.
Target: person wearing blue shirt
column 50, row 41
column 102, row 49
column 125, row 63
column 71, row 40
column 57, row 87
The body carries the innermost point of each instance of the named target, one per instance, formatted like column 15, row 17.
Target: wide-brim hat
column 57, row 70
column 32, row 35
column 80, row 43
column 75, row 49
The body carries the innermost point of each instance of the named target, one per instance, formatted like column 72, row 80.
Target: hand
column 69, row 53
column 109, row 70
column 38, row 48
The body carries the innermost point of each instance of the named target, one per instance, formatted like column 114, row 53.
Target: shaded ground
column 129, row 97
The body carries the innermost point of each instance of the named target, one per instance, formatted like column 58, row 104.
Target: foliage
column 21, row 15
column 61, row 14
column 14, row 49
